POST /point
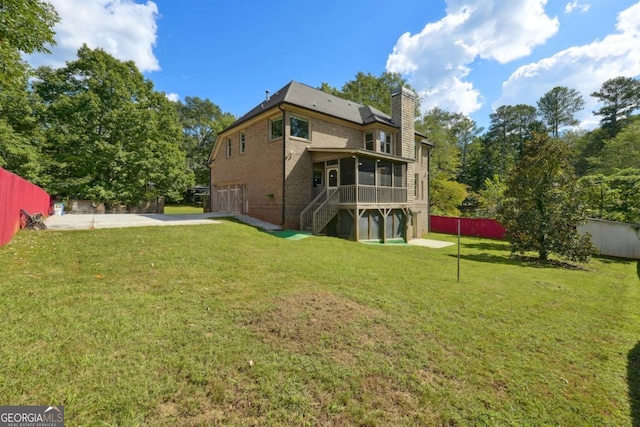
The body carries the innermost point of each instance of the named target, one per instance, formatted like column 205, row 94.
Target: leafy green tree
column 587, row 150
column 511, row 126
column 466, row 132
column 479, row 164
column 615, row 197
column 367, row 89
column 110, row 136
column 621, row 152
column 541, row 208
column 445, row 130
column 447, row 196
column 621, row 97
column 21, row 138
column 201, row 120
column 558, row 108
column 26, row 27
column 440, row 127
column 491, row 196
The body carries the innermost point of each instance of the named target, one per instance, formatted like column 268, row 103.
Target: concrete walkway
column 430, row 243
column 95, row 221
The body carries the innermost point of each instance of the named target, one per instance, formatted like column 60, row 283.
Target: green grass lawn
column 226, row 325
column 182, row 209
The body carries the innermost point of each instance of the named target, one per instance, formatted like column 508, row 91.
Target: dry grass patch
column 307, row 323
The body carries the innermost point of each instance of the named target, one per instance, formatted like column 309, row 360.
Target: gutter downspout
column 284, row 163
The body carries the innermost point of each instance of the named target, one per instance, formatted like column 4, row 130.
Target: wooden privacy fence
column 15, row 194
column 476, row 227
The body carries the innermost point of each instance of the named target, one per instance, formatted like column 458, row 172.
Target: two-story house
column 305, row 159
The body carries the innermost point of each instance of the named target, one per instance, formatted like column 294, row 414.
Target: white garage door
column 230, row 198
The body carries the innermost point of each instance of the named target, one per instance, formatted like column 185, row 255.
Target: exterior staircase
column 320, row 211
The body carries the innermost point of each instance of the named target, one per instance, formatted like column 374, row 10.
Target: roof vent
column 267, row 94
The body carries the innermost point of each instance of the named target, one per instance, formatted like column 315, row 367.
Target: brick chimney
column 403, row 105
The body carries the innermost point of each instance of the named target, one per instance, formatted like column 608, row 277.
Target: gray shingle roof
column 312, row 99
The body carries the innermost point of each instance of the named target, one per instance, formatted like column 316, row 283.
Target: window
column 366, row 171
column 368, row 141
column 275, row 128
column 416, row 154
column 299, row 127
column 384, row 173
column 385, row 142
column 416, row 184
column 347, row 171
column 229, row 146
column 243, row 140
column 318, row 174
column 398, row 175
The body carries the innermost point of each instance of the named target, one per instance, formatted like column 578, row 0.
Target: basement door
column 230, row 198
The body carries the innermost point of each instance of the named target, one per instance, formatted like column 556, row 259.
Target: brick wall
column 259, row 168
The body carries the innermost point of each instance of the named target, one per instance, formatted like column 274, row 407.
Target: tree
column 446, row 197
column 558, row 108
column 444, row 130
column 615, row 197
column 21, row 138
column 367, row 89
column 621, row 97
column 201, row 120
column 110, row 136
column 479, row 164
column 621, row 152
column 541, row 209
column 491, row 196
column 440, row 128
column 466, row 132
column 26, row 27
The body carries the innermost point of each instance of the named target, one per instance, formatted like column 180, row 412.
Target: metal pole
column 458, row 250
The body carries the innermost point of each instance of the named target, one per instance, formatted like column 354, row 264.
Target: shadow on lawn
column 638, row 268
column 633, row 378
column 518, row 260
column 493, row 259
column 488, row 246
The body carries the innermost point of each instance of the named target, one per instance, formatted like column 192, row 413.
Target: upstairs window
column 368, row 141
column 275, row 128
column 299, row 127
column 386, row 142
column 243, row 140
column 229, row 147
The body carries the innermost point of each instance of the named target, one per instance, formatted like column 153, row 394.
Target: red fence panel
column 15, row 194
column 476, row 227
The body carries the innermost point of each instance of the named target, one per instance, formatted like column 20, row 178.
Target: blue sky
column 467, row 56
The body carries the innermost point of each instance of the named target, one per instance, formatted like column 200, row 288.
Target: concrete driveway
column 94, row 221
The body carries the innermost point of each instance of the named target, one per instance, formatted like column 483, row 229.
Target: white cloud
column 576, row 4
column 438, row 59
column 123, row 28
column 583, row 68
column 173, row 97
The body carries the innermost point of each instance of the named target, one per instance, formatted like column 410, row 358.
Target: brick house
column 308, row 160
